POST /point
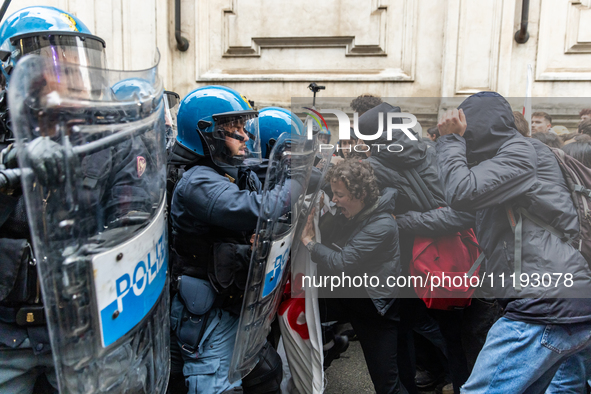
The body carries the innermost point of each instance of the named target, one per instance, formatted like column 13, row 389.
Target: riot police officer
column 24, row 349
column 214, row 213
column 114, row 185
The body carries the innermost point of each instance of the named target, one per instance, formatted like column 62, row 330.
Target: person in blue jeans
column 487, row 167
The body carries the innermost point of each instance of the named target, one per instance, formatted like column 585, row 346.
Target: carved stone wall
column 270, row 50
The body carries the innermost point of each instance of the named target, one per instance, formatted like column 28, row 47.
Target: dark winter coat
column 364, row 244
column 493, row 165
column 388, row 165
column 435, row 223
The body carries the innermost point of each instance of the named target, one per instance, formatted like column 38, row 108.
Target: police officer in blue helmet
column 25, row 353
column 214, row 213
column 274, row 121
column 324, row 136
column 48, row 32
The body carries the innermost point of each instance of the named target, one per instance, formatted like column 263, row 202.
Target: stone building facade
column 270, row 50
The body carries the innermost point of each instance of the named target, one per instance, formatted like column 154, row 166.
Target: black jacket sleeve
column 369, row 242
column 216, row 201
column 435, row 223
column 11, row 260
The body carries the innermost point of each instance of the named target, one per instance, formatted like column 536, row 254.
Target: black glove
column 47, row 159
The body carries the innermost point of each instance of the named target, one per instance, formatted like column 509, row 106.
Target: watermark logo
column 406, row 121
column 315, row 115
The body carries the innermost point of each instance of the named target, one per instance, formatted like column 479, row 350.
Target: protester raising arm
column 505, row 175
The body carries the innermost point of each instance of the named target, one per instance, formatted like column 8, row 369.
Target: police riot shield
column 288, row 174
column 94, row 182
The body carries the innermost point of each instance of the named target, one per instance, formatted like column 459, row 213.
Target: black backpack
column 578, row 181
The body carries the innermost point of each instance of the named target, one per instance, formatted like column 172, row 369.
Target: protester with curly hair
column 362, row 242
column 364, row 103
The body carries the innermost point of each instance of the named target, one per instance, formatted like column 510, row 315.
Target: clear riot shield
column 94, row 182
column 288, row 174
column 325, row 156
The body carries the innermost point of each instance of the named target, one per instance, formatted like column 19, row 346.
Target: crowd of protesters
column 483, row 174
column 477, row 166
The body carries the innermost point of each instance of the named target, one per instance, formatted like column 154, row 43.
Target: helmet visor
column 62, row 47
column 65, row 49
column 236, row 139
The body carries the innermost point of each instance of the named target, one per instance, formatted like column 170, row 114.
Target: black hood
column 490, row 124
column 413, row 153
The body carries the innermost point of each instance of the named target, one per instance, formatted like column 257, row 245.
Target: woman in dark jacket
column 362, row 243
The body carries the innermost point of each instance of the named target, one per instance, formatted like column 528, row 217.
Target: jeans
column 206, row 371
column 571, row 377
column 20, row 368
column 521, row 357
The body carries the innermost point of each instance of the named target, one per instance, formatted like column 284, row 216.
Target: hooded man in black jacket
column 388, row 164
column 486, row 166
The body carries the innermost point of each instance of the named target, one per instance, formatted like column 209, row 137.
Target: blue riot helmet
column 51, row 33
column 274, row 121
column 133, row 89
column 219, row 122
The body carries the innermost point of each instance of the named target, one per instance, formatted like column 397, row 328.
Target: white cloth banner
column 299, row 320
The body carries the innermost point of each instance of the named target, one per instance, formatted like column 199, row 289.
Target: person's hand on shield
column 308, row 234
